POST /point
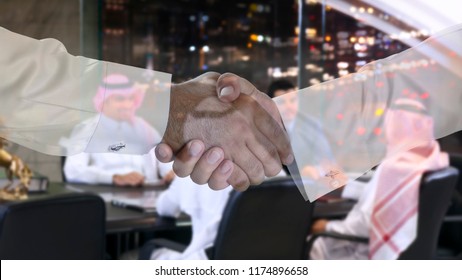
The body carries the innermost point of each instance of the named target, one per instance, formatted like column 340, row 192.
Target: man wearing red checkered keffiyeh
column 395, row 211
column 387, row 210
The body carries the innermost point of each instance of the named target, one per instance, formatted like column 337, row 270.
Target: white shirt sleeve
column 168, row 203
column 153, row 169
column 356, row 224
column 78, row 169
column 46, row 94
column 358, row 220
column 351, row 109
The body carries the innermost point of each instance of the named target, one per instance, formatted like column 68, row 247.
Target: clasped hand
column 233, row 138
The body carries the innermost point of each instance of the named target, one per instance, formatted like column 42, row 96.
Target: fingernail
column 213, row 157
column 226, row 91
column 162, row 152
column 195, row 149
column 226, row 167
column 289, row 159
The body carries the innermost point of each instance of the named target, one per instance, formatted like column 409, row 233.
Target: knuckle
column 241, row 127
column 275, row 130
column 273, row 170
column 272, row 162
column 272, row 155
column 256, row 173
column 238, row 181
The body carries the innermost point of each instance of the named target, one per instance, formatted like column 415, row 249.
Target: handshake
column 223, row 131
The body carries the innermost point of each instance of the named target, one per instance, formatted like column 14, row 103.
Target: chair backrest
column 66, row 226
column 436, row 189
column 455, row 160
column 270, row 221
column 451, row 233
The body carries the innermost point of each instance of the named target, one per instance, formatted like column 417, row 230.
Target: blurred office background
column 261, row 40
column 304, row 41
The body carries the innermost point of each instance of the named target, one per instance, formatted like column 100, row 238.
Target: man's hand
column 132, row 179
column 319, row 226
column 247, row 133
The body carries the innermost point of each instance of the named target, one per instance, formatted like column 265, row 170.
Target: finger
column 164, row 153
column 242, row 86
column 206, row 165
column 250, row 165
column 228, row 87
column 238, row 179
column 277, row 136
column 262, row 148
column 219, row 178
column 187, row 158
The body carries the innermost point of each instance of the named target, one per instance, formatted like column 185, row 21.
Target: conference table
column 119, row 219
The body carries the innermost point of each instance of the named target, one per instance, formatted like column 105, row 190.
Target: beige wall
column 43, row 19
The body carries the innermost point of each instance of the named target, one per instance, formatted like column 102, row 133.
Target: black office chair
column 455, row 160
column 66, row 226
column 436, row 189
column 270, row 221
column 450, row 241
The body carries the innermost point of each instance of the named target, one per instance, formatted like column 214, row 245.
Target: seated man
column 204, row 205
column 313, row 136
column 117, row 169
column 120, row 99
column 411, row 151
